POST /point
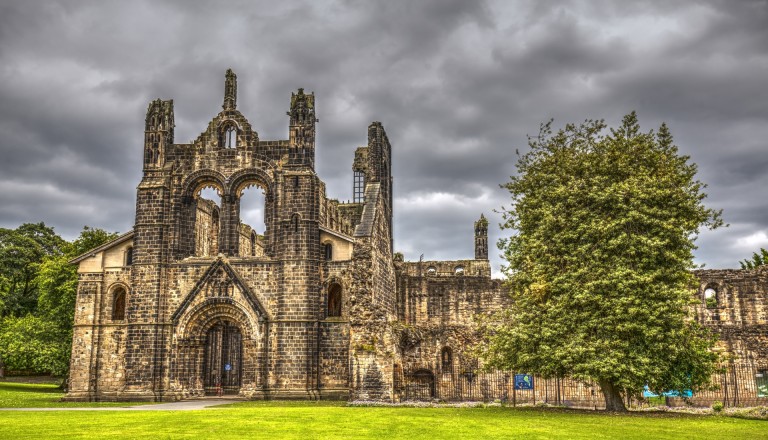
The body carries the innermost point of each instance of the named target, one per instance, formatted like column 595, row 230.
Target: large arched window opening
column 207, row 221
column 252, row 225
column 118, row 304
column 334, row 300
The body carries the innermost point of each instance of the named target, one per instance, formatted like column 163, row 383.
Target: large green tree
column 599, row 262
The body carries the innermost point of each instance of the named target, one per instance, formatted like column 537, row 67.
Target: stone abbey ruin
column 194, row 302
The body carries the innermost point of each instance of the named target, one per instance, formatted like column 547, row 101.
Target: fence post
column 735, row 385
column 514, row 390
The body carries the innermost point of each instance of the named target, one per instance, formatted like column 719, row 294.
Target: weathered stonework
column 315, row 307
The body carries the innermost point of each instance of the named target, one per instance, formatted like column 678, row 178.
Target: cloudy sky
column 457, row 84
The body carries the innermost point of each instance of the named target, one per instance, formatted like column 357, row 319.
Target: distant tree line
column 37, row 296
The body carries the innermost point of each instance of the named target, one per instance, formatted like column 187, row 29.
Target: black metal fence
column 738, row 385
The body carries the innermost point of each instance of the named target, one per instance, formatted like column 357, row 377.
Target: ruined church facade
column 195, row 302
column 192, row 301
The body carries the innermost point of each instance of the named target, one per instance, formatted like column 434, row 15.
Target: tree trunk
column 613, row 400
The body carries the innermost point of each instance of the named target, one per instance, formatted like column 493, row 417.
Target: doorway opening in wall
column 222, row 364
column 420, row 385
column 207, row 221
column 252, row 225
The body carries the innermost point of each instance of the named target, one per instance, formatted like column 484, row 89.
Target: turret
column 481, row 238
column 380, row 166
column 158, row 133
column 301, row 128
column 230, row 91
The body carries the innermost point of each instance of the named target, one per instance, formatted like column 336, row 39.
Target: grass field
column 335, row 420
column 39, row 395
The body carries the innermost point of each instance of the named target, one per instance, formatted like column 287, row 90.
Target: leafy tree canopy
column 599, row 262
column 758, row 259
column 21, row 251
column 34, row 343
column 38, row 304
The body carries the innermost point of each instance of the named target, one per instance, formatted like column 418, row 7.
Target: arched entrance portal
column 222, row 368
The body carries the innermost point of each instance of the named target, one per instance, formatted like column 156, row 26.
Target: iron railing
column 736, row 385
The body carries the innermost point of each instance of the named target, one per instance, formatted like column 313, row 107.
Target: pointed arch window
column 328, row 251
column 228, row 136
column 118, row 304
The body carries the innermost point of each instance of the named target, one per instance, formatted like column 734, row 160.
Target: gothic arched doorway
column 222, row 367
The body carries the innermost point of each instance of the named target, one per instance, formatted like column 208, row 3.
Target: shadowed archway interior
column 222, row 364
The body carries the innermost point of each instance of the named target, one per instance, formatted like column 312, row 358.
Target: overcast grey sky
column 457, row 84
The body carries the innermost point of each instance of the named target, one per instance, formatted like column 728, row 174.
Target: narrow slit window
column 334, row 301
column 118, row 308
column 129, row 256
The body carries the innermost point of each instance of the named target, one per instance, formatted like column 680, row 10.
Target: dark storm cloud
column 458, row 86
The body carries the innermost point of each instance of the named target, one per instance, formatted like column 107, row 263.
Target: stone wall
column 737, row 312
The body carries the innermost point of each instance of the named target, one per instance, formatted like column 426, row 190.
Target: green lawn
column 306, row 420
column 40, row 395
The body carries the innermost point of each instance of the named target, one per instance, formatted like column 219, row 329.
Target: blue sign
column 523, row 382
column 227, row 367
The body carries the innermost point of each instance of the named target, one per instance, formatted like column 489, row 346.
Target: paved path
column 184, row 405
